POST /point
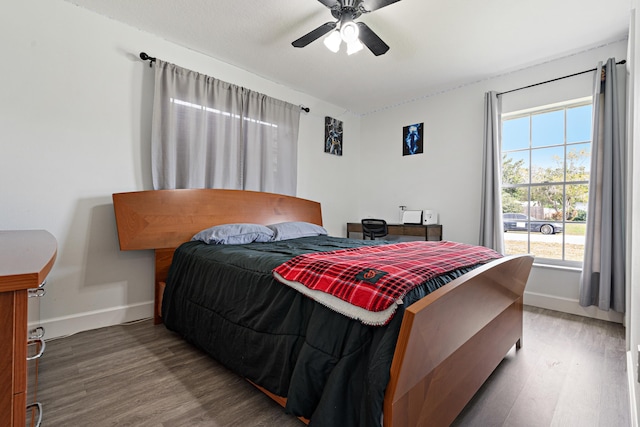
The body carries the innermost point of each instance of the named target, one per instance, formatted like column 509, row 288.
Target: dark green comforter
column 332, row 369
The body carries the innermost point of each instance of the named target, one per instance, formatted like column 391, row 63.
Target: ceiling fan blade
column 315, row 34
column 371, row 40
column 371, row 5
column 329, row 3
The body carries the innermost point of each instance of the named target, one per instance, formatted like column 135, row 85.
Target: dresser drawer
column 35, row 350
column 26, row 258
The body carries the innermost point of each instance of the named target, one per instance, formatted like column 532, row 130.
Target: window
column 211, row 134
column 546, row 159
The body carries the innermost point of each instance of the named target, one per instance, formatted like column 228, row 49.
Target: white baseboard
column 632, row 390
column 69, row 325
column 571, row 306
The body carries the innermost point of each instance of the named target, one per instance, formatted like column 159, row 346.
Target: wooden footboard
column 449, row 343
column 452, row 340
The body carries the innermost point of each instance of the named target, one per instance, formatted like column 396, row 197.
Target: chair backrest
column 373, row 228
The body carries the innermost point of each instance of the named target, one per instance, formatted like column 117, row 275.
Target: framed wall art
column 332, row 136
column 412, row 139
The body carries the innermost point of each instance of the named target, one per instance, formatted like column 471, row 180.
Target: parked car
column 522, row 222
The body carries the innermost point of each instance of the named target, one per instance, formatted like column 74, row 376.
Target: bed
column 447, row 344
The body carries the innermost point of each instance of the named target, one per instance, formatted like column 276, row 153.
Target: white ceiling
column 435, row 44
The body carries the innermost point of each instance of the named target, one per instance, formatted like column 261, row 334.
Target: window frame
column 530, row 112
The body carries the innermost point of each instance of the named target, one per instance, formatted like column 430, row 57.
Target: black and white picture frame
column 332, row 136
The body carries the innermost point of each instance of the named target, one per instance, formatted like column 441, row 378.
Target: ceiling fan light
column 354, row 46
column 349, row 31
column 332, row 41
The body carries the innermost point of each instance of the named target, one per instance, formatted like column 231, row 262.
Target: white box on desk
column 429, row 217
column 412, row 217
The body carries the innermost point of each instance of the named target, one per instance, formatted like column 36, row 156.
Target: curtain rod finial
column 146, row 57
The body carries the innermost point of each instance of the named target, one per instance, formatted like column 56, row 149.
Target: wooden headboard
column 164, row 219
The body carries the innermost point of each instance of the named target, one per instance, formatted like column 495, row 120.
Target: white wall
column 75, row 109
column 445, row 177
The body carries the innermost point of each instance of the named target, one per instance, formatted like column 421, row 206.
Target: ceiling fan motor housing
column 347, row 10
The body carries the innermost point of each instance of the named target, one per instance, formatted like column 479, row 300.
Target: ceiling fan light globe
column 349, row 32
column 354, row 47
column 332, row 41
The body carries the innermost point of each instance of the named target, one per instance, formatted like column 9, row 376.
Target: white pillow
column 234, row 234
column 295, row 229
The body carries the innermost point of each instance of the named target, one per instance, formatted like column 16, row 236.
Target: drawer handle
column 38, row 292
column 42, row 347
column 38, row 406
column 36, row 333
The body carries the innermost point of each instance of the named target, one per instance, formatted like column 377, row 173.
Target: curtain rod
column 556, row 79
column 151, row 60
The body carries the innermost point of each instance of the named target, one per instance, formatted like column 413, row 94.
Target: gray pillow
column 234, row 234
column 295, row 229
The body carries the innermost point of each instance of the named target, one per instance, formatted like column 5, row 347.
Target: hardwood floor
column 571, row 371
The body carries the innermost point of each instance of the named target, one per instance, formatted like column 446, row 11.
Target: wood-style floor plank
column 571, row 371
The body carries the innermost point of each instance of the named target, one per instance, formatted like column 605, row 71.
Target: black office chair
column 373, row 228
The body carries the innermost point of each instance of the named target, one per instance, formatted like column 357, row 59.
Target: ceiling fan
column 355, row 34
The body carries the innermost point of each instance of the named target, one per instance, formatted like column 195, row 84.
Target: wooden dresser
column 26, row 257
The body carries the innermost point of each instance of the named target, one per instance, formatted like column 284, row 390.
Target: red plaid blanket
column 375, row 277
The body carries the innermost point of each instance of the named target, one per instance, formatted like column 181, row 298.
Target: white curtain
column 207, row 133
column 491, row 228
column 602, row 282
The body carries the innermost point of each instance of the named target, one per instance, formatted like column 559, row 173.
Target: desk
column 429, row 232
